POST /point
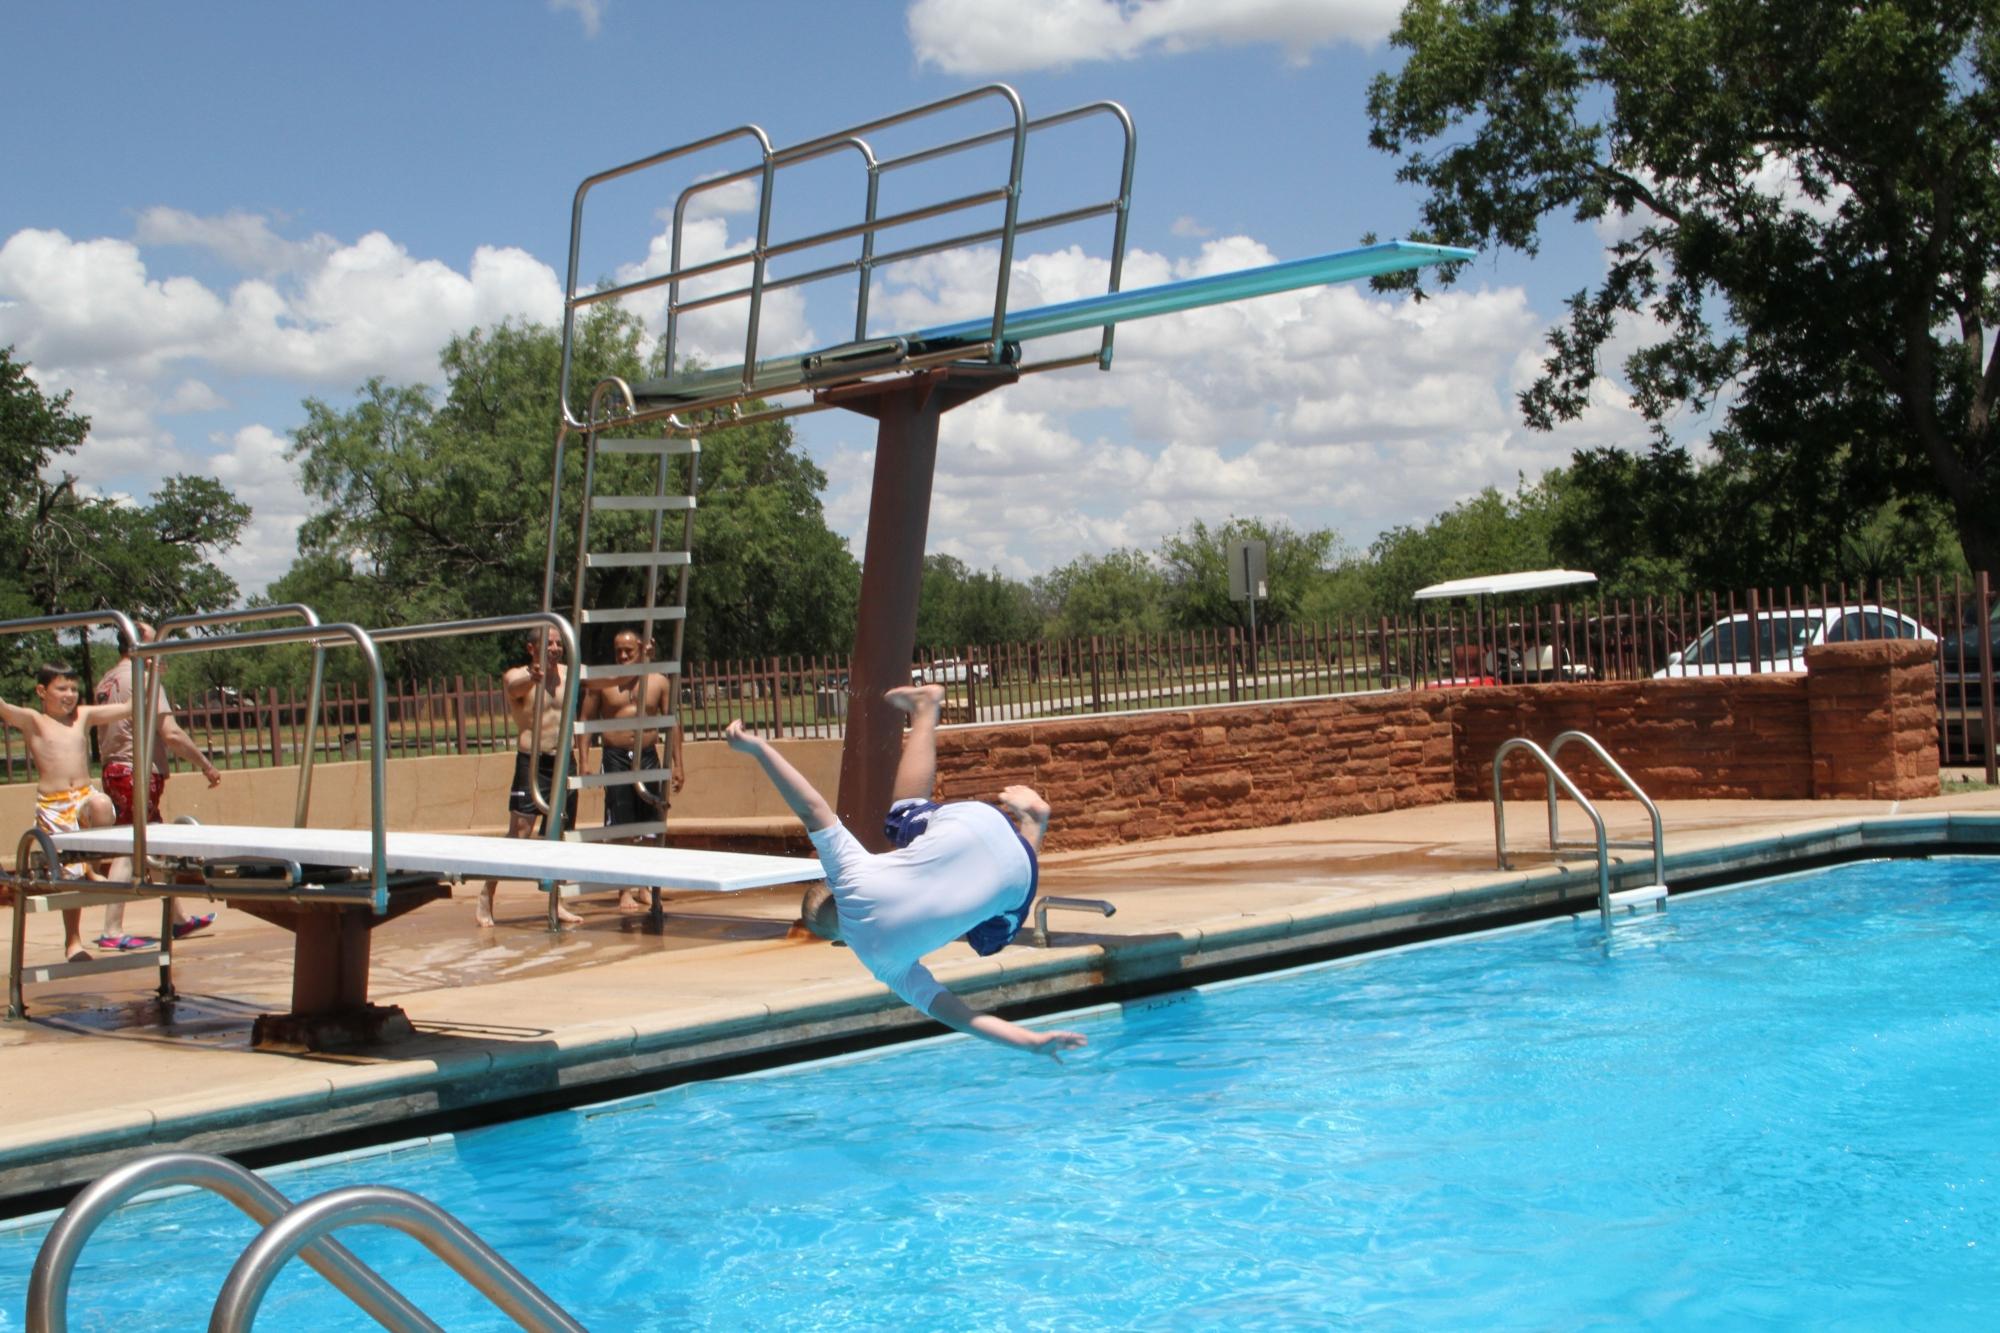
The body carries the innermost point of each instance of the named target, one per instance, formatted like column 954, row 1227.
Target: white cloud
column 1190, row 228
column 193, row 396
column 591, row 12
column 716, row 334
column 973, row 37
column 1327, row 407
column 243, row 240
column 251, row 462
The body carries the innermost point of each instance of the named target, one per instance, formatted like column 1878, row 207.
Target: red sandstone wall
column 1152, row 775
column 1747, row 737
column 1862, row 722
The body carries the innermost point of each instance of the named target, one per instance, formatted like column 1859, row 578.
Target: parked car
column 1958, row 656
column 950, row 671
column 1779, row 639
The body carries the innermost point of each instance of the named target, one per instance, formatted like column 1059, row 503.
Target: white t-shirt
column 895, row 907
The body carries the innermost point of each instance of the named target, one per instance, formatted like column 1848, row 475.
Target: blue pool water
column 1776, row 1106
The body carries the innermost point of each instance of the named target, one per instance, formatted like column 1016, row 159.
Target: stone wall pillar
column 1873, row 713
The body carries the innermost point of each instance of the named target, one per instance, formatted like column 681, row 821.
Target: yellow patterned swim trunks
column 62, row 812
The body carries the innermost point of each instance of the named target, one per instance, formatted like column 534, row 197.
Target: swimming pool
column 1776, row 1105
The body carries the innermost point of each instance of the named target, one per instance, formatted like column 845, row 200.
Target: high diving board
column 835, row 364
column 459, row 856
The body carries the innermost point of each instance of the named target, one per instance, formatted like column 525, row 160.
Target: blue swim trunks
column 907, row 821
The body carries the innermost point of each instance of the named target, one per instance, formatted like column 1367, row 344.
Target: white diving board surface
column 459, row 855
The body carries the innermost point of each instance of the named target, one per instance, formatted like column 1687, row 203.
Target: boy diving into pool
column 960, row 869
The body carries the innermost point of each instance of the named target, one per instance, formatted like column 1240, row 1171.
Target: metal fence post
column 1985, row 623
column 272, row 724
column 1096, row 677
column 1235, row 647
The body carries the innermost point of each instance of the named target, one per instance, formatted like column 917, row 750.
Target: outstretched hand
column 1053, row 1044
column 741, row 737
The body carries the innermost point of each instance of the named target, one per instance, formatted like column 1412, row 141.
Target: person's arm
column 675, row 760
column 178, row 742
column 24, row 719
column 96, row 715
column 955, row 1013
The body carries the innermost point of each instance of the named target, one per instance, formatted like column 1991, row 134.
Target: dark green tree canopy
column 1810, row 216
column 959, row 606
column 62, row 551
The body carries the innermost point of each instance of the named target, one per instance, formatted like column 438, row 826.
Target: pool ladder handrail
column 309, row 1223
column 1654, row 893
column 289, row 1230
column 1042, row 906
column 48, row 1284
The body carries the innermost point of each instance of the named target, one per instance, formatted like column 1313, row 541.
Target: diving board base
column 343, row 1030
column 330, row 953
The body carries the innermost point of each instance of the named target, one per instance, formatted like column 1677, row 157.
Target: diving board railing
column 991, row 191
column 290, row 1230
column 1608, row 903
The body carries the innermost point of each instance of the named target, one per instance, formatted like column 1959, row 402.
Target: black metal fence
column 1508, row 642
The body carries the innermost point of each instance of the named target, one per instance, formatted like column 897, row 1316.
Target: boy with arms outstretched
column 962, row 869
column 59, row 742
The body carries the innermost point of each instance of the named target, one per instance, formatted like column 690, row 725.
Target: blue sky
column 216, row 211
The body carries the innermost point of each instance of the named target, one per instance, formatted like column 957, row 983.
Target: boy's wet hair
column 54, row 671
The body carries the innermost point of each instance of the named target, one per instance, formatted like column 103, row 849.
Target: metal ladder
column 289, row 1230
column 660, row 552
column 1609, row 904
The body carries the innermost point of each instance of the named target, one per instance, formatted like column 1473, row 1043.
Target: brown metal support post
column 907, row 412
column 1985, row 630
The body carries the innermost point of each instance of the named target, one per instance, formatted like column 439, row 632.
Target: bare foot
column 482, row 911
column 567, row 917
column 910, row 698
column 634, row 900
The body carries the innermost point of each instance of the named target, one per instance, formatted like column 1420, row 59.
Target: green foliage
column 1809, row 226
column 958, row 607
column 63, row 552
column 769, row 575
column 1195, row 563
column 1122, row 592
column 1489, row 534
column 438, row 510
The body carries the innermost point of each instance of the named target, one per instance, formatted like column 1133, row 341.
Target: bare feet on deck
column 912, row 698
column 567, row 917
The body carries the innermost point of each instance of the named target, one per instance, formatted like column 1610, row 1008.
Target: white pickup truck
column 950, row 671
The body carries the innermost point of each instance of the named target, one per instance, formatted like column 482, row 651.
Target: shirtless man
column 632, row 751
column 114, row 751
column 544, row 667
column 59, row 743
column 961, row 869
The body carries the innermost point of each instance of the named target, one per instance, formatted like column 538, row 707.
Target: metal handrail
column 1590, row 743
column 315, row 687
column 431, row 1226
column 1556, row 775
column 48, row 1285
column 318, row 636
column 1042, row 906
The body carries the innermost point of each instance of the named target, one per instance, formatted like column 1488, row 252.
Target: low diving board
column 459, row 856
column 843, row 363
column 319, row 884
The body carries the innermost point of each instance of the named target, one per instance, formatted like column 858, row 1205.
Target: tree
column 436, row 509
column 1118, row 593
column 1490, row 533
column 1196, row 568
column 1808, row 219
column 958, row 606
column 63, row 552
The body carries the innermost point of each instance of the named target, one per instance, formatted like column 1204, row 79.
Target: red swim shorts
column 118, row 786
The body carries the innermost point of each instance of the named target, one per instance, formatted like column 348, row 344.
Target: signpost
column 1246, row 584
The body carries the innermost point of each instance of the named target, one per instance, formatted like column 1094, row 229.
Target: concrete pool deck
column 514, row 1019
